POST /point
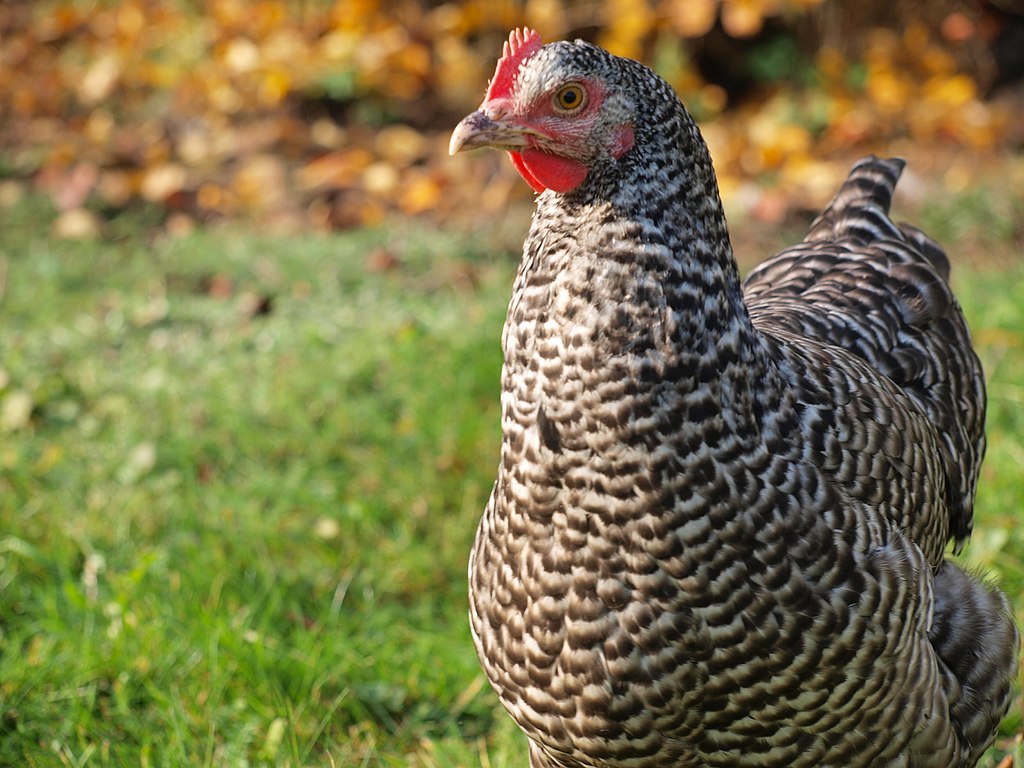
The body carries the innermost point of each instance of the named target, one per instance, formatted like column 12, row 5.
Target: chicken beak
column 480, row 130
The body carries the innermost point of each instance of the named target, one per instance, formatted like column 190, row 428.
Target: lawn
column 240, row 474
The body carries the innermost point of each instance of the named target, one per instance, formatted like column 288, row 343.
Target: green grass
column 234, row 538
column 239, row 477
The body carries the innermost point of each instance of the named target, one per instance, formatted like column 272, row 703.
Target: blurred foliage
column 307, row 113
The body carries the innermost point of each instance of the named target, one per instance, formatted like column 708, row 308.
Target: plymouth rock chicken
column 717, row 535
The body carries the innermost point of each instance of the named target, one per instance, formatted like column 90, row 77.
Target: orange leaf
column 950, row 92
column 334, row 170
column 692, row 18
column 274, row 86
column 162, row 181
column 743, row 18
column 421, row 193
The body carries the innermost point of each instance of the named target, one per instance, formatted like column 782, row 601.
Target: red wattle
column 517, row 161
column 544, row 171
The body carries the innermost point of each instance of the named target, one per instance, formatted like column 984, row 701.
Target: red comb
column 522, row 43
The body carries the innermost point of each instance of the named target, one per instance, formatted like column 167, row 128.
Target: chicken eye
column 570, row 98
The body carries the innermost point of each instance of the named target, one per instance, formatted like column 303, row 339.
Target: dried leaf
column 76, row 224
column 100, row 79
column 139, row 461
column 380, row 178
column 241, row 55
column 950, row 92
column 692, row 18
column 400, row 144
column 16, row 410
column 743, row 18
column 422, row 192
column 260, row 183
column 76, row 186
column 183, row 104
column 161, row 181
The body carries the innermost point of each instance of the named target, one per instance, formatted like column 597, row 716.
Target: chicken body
column 717, row 533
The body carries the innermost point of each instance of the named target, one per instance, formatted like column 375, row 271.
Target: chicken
column 717, row 535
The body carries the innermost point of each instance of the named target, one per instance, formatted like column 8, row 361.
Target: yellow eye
column 570, row 97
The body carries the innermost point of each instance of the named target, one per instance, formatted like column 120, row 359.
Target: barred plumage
column 716, row 536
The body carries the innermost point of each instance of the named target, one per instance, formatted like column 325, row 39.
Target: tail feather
column 975, row 636
column 860, row 209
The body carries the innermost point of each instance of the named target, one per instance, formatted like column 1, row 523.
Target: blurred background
column 250, row 314
column 310, row 114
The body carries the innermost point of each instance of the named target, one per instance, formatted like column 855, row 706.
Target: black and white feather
column 717, row 533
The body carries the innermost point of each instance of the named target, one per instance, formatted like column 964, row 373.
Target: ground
column 240, row 473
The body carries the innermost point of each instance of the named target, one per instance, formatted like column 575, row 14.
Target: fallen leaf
column 139, row 461
column 380, row 260
column 76, row 186
column 692, row 18
column 743, row 18
column 16, row 410
column 100, row 79
column 162, row 181
column 76, row 224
